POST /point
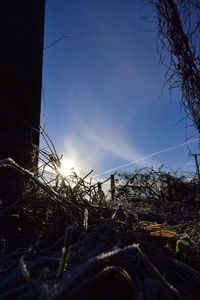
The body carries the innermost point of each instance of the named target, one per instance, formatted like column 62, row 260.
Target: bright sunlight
column 67, row 166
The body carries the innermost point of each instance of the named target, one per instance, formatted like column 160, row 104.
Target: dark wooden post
column 21, row 51
column 112, row 188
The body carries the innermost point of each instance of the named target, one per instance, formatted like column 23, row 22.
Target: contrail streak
column 148, row 156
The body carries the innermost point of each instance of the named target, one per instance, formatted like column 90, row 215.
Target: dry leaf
column 164, row 233
column 154, row 227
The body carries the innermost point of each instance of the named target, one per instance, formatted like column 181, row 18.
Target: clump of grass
column 99, row 244
column 65, row 253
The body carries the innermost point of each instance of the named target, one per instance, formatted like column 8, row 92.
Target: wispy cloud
column 92, row 146
column 111, row 141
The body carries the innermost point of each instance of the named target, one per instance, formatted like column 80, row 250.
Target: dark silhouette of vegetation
column 178, row 23
column 148, row 185
column 68, row 245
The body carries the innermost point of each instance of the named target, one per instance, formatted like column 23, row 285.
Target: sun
column 67, row 166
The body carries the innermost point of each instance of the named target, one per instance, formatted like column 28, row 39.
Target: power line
column 148, row 156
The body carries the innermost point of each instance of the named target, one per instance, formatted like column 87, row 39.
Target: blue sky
column 103, row 85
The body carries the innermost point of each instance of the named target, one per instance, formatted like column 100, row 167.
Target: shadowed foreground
column 63, row 243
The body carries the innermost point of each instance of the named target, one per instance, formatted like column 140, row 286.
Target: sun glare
column 67, row 166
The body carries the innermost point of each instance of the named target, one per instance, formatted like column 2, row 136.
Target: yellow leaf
column 154, row 227
column 164, row 233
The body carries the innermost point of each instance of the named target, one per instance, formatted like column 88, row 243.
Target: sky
column 103, row 105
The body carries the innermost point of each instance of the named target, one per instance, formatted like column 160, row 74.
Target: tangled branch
column 178, row 32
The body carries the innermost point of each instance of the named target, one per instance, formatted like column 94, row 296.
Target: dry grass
column 67, row 245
